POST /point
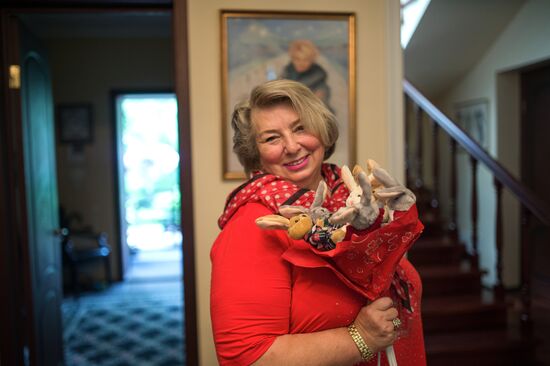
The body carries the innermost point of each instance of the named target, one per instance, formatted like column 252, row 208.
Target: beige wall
column 379, row 112
column 86, row 71
column 496, row 77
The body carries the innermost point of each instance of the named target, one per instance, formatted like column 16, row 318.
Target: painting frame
column 473, row 117
column 75, row 123
column 243, row 66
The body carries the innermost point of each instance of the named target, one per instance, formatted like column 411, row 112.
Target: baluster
column 435, row 166
column 473, row 161
column 419, row 128
column 526, row 321
column 499, row 288
column 408, row 178
column 452, row 224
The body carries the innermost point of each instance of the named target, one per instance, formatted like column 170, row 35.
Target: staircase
column 464, row 323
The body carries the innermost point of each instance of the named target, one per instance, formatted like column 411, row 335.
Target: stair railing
column 532, row 207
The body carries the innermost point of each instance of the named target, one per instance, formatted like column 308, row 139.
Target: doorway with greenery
column 148, row 171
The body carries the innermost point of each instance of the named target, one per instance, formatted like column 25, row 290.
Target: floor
column 155, row 265
column 135, row 322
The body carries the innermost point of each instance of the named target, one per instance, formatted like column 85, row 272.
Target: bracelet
column 366, row 353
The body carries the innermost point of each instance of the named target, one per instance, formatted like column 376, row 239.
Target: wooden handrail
column 522, row 193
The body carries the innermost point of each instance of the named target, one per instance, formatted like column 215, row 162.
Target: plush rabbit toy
column 311, row 224
column 370, row 191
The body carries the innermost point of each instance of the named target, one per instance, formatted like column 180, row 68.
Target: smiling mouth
column 297, row 163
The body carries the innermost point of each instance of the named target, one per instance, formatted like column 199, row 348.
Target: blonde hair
column 304, row 49
column 316, row 118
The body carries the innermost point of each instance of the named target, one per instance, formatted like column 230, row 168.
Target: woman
column 278, row 301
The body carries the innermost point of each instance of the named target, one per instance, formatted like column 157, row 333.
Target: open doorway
column 149, row 195
column 91, row 54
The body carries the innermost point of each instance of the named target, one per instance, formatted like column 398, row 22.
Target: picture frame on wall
column 74, row 123
column 257, row 46
column 473, row 117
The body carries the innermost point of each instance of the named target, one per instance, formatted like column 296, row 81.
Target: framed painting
column 473, row 117
column 261, row 46
column 74, row 123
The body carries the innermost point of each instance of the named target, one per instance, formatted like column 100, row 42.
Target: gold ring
column 396, row 323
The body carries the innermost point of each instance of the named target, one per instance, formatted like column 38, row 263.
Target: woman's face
column 285, row 148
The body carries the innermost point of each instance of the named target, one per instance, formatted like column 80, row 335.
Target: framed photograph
column 473, row 117
column 317, row 49
column 74, row 123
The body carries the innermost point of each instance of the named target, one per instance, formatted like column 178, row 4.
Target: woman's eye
column 299, row 128
column 271, row 138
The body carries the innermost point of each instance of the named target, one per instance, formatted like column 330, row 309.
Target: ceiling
column 100, row 25
column 451, row 37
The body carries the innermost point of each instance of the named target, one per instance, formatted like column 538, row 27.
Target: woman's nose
column 292, row 145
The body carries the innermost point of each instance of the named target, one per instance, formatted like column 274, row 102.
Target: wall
column 495, row 77
column 379, row 112
column 86, row 71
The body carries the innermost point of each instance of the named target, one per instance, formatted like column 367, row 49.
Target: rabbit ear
column 371, row 165
column 273, row 222
column 348, row 179
column 320, row 195
column 344, row 215
column 384, row 195
column 356, row 170
column 289, row 211
column 384, row 178
column 366, row 187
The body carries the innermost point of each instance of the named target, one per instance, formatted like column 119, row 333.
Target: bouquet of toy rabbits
column 370, row 192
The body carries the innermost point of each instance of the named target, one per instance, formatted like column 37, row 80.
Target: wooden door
column 535, row 149
column 42, row 257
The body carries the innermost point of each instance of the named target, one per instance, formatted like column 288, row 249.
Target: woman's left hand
column 375, row 324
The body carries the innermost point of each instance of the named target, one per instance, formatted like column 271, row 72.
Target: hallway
column 135, row 322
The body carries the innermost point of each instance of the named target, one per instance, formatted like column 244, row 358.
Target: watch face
column 75, row 124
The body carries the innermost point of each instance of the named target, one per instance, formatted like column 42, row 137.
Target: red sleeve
column 250, row 289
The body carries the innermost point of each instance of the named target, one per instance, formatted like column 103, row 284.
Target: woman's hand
column 374, row 323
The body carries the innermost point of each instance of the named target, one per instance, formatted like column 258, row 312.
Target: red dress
column 265, row 284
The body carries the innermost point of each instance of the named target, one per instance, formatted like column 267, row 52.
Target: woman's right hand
column 374, row 323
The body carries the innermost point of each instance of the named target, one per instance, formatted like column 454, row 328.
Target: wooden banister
column 527, row 198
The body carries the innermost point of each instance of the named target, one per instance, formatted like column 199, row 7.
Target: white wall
column 523, row 42
column 379, row 112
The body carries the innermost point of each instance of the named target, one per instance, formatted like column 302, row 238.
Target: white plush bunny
column 361, row 208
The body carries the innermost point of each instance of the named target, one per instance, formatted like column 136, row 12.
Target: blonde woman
column 279, row 301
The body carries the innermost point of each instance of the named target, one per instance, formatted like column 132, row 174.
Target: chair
column 81, row 247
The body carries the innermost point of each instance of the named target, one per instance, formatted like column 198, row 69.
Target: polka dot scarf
column 274, row 191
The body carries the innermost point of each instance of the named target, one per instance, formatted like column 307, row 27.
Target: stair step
column 491, row 347
column 436, row 251
column 458, row 313
column 450, row 280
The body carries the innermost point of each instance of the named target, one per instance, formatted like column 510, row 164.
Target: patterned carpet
column 129, row 324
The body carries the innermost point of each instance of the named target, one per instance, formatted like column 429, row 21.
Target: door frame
column 14, row 274
column 14, row 278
